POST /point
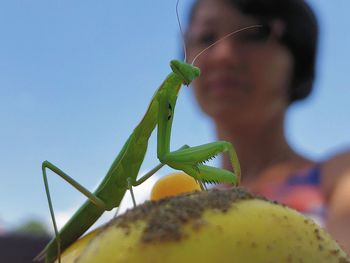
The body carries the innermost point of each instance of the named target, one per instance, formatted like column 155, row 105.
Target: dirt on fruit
column 166, row 217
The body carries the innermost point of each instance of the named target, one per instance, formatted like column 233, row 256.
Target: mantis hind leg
column 94, row 199
column 191, row 159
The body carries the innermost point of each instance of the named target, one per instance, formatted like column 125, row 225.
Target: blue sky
column 77, row 76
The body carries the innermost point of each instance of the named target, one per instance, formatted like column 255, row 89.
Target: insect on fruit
column 122, row 175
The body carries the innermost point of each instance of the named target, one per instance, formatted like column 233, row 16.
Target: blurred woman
column 247, row 83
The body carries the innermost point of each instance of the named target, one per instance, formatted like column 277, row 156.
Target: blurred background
column 77, row 76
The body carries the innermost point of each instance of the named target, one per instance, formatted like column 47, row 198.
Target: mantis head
column 186, row 72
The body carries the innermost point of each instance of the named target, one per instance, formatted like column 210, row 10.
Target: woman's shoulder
column 341, row 158
column 333, row 169
column 336, row 177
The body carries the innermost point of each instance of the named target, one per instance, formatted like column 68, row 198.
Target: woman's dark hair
column 300, row 35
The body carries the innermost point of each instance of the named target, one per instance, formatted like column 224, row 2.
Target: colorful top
column 301, row 191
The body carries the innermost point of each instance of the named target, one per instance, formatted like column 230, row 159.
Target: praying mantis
column 122, row 175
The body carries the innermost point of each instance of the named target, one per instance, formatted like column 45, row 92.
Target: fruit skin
column 215, row 226
column 172, row 185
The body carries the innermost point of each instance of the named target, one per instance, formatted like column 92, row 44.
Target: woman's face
column 244, row 77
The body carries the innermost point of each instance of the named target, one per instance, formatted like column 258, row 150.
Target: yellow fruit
column 74, row 251
column 213, row 226
column 173, row 184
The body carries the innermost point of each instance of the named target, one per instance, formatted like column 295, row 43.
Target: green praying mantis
column 122, row 175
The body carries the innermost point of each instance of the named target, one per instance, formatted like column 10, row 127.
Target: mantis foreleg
column 191, row 160
column 154, row 170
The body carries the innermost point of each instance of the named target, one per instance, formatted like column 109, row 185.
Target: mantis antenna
column 182, row 33
column 223, row 38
